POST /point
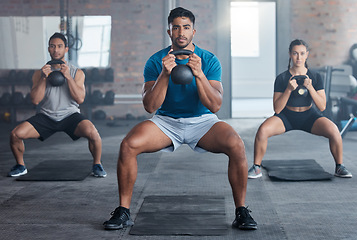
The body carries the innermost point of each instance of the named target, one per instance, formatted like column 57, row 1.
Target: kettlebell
column 56, row 78
column 181, row 73
column 301, row 90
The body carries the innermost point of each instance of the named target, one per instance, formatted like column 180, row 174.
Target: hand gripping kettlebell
column 181, row 74
column 56, row 78
column 301, row 90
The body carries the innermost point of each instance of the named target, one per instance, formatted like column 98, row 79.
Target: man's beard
column 56, row 58
column 181, row 46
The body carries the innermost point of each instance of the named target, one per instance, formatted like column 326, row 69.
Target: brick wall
column 329, row 27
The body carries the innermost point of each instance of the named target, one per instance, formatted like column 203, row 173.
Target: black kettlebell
column 181, row 74
column 56, row 78
column 301, row 90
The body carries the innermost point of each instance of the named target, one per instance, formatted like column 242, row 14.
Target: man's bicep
column 79, row 78
column 36, row 77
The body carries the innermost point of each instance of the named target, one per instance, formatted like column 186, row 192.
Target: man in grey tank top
column 58, row 110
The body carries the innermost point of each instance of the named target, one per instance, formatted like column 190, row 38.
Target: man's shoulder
column 72, row 66
column 160, row 54
column 203, row 52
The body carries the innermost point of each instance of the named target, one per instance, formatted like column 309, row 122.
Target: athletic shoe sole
column 343, row 176
column 113, row 227
column 121, row 226
column 255, row 176
column 98, row 176
column 248, row 227
column 19, row 174
column 241, row 227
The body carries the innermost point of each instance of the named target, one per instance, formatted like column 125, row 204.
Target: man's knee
column 18, row 133
column 237, row 155
column 15, row 136
column 88, row 130
column 235, row 144
column 128, row 145
column 131, row 146
column 93, row 134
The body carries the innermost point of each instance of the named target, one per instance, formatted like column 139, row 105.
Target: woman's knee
column 334, row 134
column 263, row 133
column 326, row 128
column 271, row 127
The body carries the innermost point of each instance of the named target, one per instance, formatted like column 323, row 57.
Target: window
column 95, row 51
column 245, row 29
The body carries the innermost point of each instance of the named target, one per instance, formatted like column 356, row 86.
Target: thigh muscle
column 147, row 137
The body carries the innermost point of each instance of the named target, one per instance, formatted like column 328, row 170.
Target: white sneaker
column 255, row 172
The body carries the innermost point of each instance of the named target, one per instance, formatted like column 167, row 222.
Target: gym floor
column 77, row 209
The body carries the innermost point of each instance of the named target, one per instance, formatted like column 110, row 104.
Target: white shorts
column 185, row 130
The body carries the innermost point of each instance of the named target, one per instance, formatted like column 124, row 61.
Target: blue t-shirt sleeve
column 151, row 70
column 214, row 69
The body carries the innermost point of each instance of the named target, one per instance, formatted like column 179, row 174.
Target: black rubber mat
column 181, row 215
column 295, row 170
column 58, row 170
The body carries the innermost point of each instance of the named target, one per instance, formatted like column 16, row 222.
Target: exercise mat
column 181, row 215
column 58, row 170
column 295, row 170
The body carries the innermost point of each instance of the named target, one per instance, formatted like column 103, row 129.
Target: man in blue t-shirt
column 184, row 115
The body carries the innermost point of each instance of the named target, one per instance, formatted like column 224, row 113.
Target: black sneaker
column 120, row 218
column 243, row 219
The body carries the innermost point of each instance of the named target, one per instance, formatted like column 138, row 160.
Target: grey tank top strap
column 58, row 103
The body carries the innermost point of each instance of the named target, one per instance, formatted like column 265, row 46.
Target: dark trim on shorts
column 46, row 126
column 299, row 120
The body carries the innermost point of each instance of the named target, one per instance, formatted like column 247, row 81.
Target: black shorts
column 45, row 126
column 299, row 120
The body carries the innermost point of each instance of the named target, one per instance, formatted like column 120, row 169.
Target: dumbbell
column 95, row 75
column 99, row 115
column 109, row 97
column 96, row 97
column 5, row 99
column 17, row 98
column 109, row 75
